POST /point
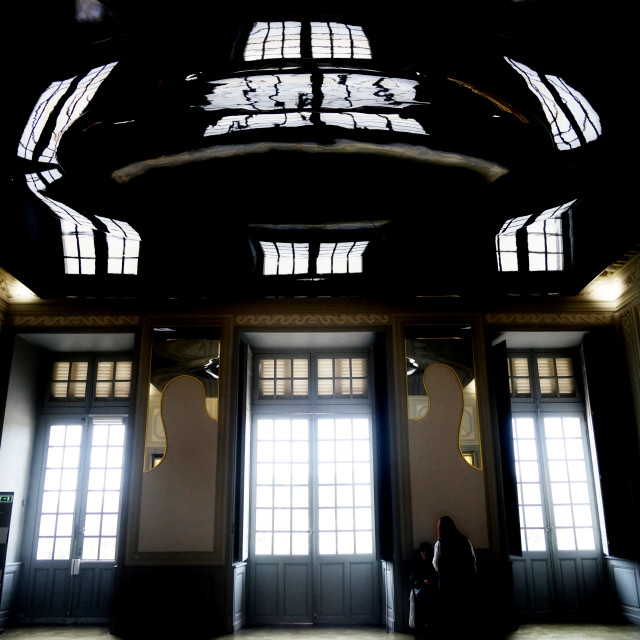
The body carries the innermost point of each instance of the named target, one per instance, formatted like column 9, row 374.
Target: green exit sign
column 6, row 498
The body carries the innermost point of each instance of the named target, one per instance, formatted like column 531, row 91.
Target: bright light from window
column 544, row 241
column 273, row 40
column 340, row 257
column 337, row 40
column 285, row 258
column 570, row 105
column 123, row 246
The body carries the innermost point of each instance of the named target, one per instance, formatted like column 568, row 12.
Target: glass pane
column 45, row 549
column 263, row 544
column 48, row 525
column 299, row 544
column 585, row 539
column 327, row 543
column 565, row 540
column 345, row 542
column 535, row 540
column 90, row 548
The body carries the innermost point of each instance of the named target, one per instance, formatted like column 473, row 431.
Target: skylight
column 47, row 106
column 281, row 40
column 123, row 247
column 285, row 258
column 540, row 237
column 78, row 249
column 346, row 120
column 273, row 40
column 289, row 258
column 337, row 40
column 573, row 120
column 296, row 91
column 340, row 257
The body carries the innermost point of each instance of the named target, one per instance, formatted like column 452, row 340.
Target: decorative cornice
column 311, row 319
column 72, row 321
column 13, row 291
column 578, row 318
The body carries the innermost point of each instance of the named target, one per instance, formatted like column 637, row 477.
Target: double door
column 75, row 523
column 561, row 570
column 312, row 520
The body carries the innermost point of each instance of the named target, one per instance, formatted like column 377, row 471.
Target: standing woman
column 455, row 561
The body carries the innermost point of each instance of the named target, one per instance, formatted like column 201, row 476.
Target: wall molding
column 312, row 319
column 46, row 321
column 589, row 318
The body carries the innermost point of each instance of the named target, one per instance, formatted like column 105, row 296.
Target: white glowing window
column 572, row 119
column 55, row 529
column 285, row 258
column 229, row 124
column 340, row 257
column 106, row 459
column 75, row 106
column 40, row 115
column 295, row 92
column 543, row 236
column 273, row 40
column 373, row 122
column 99, row 454
column 345, row 504
column 78, row 249
column 123, row 247
column 532, row 515
column 38, row 184
column 338, row 40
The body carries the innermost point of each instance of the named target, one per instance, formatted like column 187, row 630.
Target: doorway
column 311, row 547
column 70, row 541
column 73, row 555
column 561, row 571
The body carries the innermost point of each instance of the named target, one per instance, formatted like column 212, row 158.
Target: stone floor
column 525, row 632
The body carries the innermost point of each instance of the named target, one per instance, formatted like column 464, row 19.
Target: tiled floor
column 526, row 632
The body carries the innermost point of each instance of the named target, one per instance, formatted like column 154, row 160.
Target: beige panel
column 442, row 483
column 178, row 496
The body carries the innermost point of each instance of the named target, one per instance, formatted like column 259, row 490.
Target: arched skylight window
column 329, row 40
column 537, row 242
column 123, row 247
column 573, row 120
column 337, row 40
column 273, row 40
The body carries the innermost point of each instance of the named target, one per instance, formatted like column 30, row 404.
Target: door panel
column 559, row 522
column 312, row 521
column 72, row 571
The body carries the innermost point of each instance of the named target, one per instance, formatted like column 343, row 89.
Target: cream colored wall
column 442, row 483
column 178, row 502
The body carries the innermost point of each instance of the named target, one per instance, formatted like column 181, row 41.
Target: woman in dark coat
column 455, row 561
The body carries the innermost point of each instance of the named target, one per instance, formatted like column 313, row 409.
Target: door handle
column 75, row 566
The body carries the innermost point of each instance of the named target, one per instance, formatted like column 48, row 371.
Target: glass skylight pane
column 75, row 106
column 272, row 40
column 40, row 117
column 338, row 40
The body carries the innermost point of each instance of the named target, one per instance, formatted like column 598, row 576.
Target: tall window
column 556, row 491
column 313, row 489
column 83, row 458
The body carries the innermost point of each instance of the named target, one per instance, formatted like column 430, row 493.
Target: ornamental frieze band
column 72, row 321
column 308, row 320
column 588, row 318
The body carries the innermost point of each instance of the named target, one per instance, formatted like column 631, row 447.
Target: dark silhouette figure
column 455, row 561
column 424, row 582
